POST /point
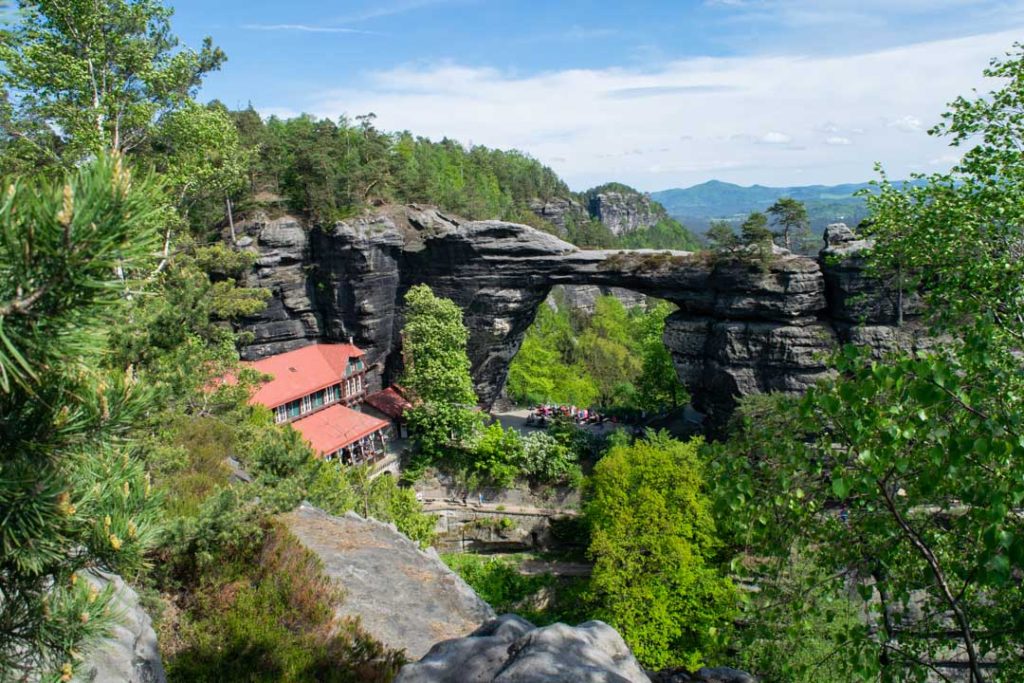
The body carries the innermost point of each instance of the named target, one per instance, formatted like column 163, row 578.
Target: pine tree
column 72, row 495
column 790, row 215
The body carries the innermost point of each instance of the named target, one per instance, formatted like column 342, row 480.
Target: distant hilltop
column 695, row 207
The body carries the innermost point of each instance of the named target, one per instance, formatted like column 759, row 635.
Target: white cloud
column 908, row 124
column 705, row 117
column 378, row 9
column 838, row 140
column 774, row 137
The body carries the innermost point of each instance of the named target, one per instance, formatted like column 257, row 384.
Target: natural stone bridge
column 740, row 328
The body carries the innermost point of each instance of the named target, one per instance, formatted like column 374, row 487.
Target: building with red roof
column 340, row 432
column 313, row 388
column 391, row 405
column 308, row 379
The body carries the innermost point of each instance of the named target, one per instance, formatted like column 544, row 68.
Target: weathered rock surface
column 561, row 212
column 624, row 212
column 131, row 653
column 404, row 597
column 740, row 328
column 584, row 297
column 718, row 674
column 512, row 650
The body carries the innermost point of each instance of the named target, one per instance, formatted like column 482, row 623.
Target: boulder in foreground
column 512, row 650
column 402, row 596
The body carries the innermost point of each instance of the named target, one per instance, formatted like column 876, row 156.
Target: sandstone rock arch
column 740, row 329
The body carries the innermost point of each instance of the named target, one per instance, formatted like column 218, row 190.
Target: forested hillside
column 326, row 170
column 699, row 205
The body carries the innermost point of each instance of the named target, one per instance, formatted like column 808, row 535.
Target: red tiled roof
column 302, row 371
column 389, row 402
column 336, row 427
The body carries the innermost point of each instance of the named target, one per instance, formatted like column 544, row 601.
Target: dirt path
column 440, row 505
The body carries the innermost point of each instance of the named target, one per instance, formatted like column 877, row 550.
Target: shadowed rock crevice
column 741, row 327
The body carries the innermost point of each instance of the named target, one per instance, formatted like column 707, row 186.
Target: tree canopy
column 87, row 77
column 653, row 541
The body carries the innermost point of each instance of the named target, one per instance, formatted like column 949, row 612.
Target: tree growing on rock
column 790, row 217
column 757, row 237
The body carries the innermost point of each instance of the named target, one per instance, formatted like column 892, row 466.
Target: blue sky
column 657, row 94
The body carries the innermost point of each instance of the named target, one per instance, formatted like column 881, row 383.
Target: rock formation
column 623, row 212
column 741, row 328
column 131, row 653
column 512, row 650
column 561, row 212
column 404, row 597
column 584, row 297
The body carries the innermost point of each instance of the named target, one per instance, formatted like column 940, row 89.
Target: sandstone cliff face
column 740, row 329
column 625, row 212
column 560, row 212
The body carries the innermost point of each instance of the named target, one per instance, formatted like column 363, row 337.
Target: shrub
column 273, row 620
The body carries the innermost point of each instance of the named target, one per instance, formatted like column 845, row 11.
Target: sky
column 653, row 93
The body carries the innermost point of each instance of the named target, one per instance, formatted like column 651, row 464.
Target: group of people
column 542, row 414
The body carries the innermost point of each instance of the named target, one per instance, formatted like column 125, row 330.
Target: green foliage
column 269, row 616
column 434, row 349
column 497, row 454
column 667, row 233
column 922, row 452
column 797, row 625
column 754, row 229
column 541, row 599
column 757, row 238
column 443, row 433
column 653, row 541
column 960, row 232
column 329, row 169
column 548, row 366
column 548, row 459
column 497, row 580
column 790, row 217
column 722, row 238
column 613, row 358
column 591, row 234
column 92, row 77
column 73, row 494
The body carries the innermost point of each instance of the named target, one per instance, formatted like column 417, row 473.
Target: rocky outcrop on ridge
column 131, row 653
column 561, row 212
column 623, row 212
column 741, row 328
column 404, row 597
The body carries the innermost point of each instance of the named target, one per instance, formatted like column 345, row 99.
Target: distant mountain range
column 695, row 207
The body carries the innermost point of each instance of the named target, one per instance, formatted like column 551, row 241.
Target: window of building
column 319, row 398
column 281, row 414
column 294, row 409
